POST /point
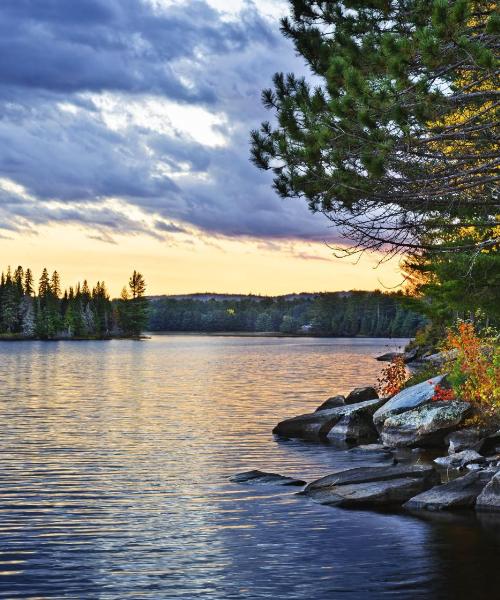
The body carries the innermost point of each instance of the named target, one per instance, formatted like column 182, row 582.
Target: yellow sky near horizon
column 194, row 263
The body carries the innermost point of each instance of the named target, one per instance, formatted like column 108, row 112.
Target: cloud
column 132, row 116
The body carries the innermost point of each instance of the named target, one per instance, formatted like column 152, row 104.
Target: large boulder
column 459, row 460
column 256, row 476
column 332, row 403
column 361, row 394
column 427, row 425
column 459, row 493
column 408, row 399
column 489, row 499
column 317, row 425
column 372, row 486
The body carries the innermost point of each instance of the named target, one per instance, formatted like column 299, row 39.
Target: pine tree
column 28, row 283
column 400, row 137
column 44, row 284
column 55, row 284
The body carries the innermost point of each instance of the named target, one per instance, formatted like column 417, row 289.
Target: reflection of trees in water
column 466, row 548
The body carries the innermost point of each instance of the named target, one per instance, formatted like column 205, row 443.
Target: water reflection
column 115, row 458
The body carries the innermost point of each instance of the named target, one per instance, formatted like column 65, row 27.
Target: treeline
column 47, row 312
column 370, row 314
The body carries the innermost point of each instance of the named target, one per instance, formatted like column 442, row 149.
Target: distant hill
column 205, row 296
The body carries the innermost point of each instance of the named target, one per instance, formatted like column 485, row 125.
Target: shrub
column 393, row 377
column 474, row 370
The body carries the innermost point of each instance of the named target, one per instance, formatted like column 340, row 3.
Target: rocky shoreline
column 465, row 474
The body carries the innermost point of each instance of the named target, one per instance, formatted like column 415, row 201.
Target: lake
column 115, row 459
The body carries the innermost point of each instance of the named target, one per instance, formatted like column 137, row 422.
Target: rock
column 471, row 438
column 410, row 356
column 332, row 403
column 493, row 460
column 371, row 448
column 363, row 486
column 459, row 460
column 489, row 499
column 459, row 493
column 407, row 357
column 491, row 443
column 424, row 426
column 388, row 356
column 440, row 358
column 408, row 399
column 474, row 467
column 361, row 394
column 354, row 428
column 318, row 424
column 263, row 477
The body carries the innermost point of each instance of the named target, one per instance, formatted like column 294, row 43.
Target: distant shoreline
column 269, row 334
column 243, row 334
column 20, row 338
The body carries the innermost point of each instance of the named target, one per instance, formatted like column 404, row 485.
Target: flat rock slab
column 407, row 399
column 459, row 460
column 489, row 499
column 424, row 426
column 317, row 425
column 263, row 477
column 459, row 493
column 372, row 486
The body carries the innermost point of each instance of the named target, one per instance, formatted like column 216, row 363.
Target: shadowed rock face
column 332, row 403
column 489, row 499
column 256, row 476
column 424, row 426
column 317, row 425
column 375, row 486
column 459, row 493
column 408, row 399
column 361, row 394
column 471, row 438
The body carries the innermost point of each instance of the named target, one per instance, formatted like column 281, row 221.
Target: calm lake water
column 115, row 458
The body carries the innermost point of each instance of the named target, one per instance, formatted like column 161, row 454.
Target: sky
column 124, row 144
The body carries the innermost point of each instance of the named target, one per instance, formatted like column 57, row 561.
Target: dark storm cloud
column 58, row 59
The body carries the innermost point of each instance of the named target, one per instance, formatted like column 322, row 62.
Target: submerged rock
column 256, row 476
column 489, row 499
column 332, row 403
column 408, row 399
column 459, row 493
column 424, row 426
column 317, row 425
column 365, row 486
column 459, row 460
column 361, row 394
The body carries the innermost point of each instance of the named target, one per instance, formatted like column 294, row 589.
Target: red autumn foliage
column 393, row 377
column 442, row 394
